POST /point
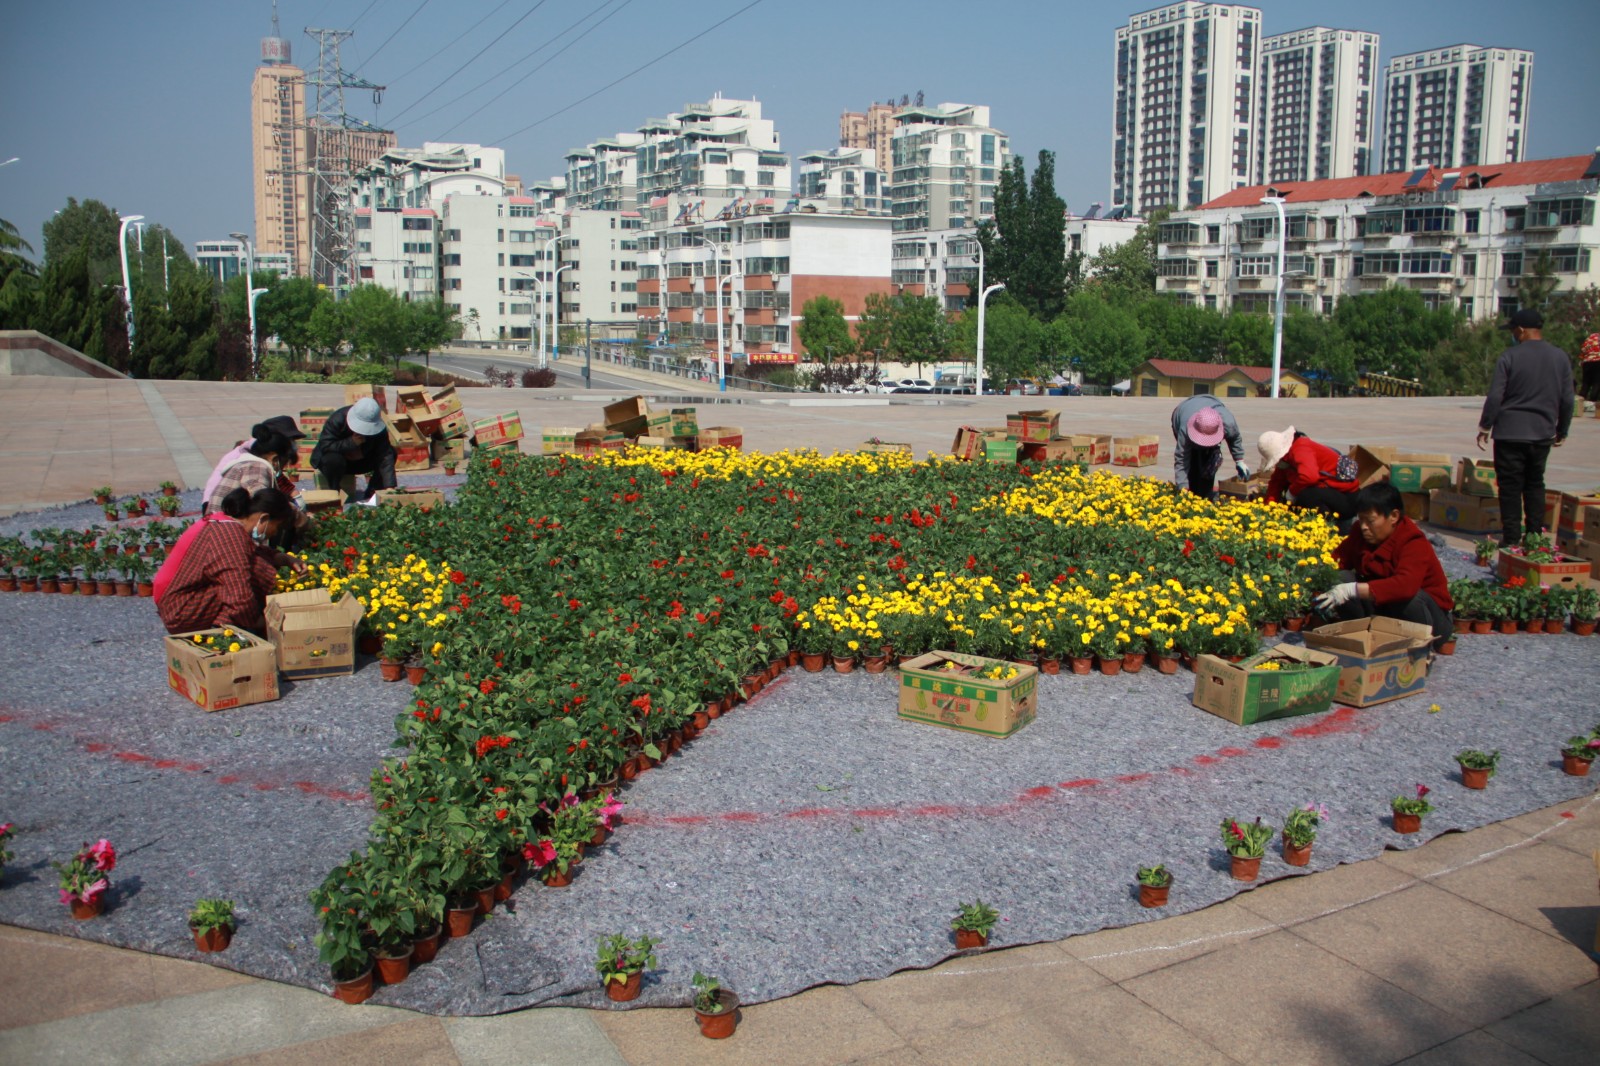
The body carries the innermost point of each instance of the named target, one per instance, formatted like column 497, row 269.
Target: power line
column 541, row 66
column 452, row 44
column 391, row 36
column 618, row 81
column 363, row 14
column 396, row 119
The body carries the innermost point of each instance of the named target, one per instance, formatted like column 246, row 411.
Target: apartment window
column 1213, row 234
column 1237, row 390
column 521, row 211
column 1213, row 268
column 363, row 222
column 735, row 177
column 649, row 273
column 412, row 223
column 1470, row 221
column 1516, row 218
column 523, row 236
column 1469, row 266
column 767, row 264
column 1423, row 262
column 1177, row 268
column 364, row 246
column 1511, row 264
column 417, row 248
column 366, row 273
column 1255, row 266
column 1148, row 387
column 1549, row 214
column 1466, row 306
column 1569, row 260
column 1330, row 229
column 1201, row 388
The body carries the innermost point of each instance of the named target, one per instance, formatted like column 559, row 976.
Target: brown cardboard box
column 352, row 393
column 1591, row 523
column 1033, row 426
column 497, row 429
column 1372, row 463
column 1416, row 505
column 560, row 440
column 720, row 437
column 1380, row 659
column 412, row 458
column 314, row 635
column 968, row 443
column 1416, row 472
column 312, row 419
column 1244, row 695
column 452, row 450
column 403, row 430
column 647, row 441
column 1135, row 451
column 884, row 447
column 1572, row 521
column 631, row 416
column 964, row 700
column 594, row 439
column 412, row 400
column 1552, row 510
column 319, row 501
column 1465, row 514
column 1059, row 450
column 1573, row 573
column 453, row 425
column 231, row 679
column 1477, row 478
column 1589, row 552
column 427, row 499
column 1244, row 490
column 1100, row 447
column 445, row 401
column 685, row 423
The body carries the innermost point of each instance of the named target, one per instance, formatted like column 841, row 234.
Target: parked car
column 906, row 385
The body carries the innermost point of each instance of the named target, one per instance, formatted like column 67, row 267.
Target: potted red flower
column 1408, row 810
column 83, row 879
column 1246, row 843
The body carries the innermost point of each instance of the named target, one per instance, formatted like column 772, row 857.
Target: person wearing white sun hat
column 1200, row 424
column 355, row 441
column 1309, row 475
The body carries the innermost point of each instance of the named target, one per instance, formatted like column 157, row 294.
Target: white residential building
column 945, row 166
column 497, row 259
column 225, row 260
column 938, row 263
column 1459, row 106
column 1184, row 120
column 1318, row 105
column 1463, row 238
column 599, row 266
column 844, row 179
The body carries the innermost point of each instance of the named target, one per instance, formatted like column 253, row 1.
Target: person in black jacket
column 1528, row 411
column 355, row 441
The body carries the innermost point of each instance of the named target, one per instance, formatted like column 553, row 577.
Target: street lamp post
column 555, row 312
column 1277, row 320
column 127, row 282
column 717, row 253
column 250, row 294
column 544, row 256
column 983, row 298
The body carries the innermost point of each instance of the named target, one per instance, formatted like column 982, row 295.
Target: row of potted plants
column 94, row 561
column 1515, row 605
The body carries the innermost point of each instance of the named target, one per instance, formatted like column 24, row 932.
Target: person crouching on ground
column 221, row 571
column 1199, row 426
column 355, row 441
column 1309, row 475
column 1388, row 568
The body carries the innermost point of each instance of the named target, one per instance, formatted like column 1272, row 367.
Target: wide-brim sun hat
column 1274, row 445
column 1205, row 427
column 365, row 417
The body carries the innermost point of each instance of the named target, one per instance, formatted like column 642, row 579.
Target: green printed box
column 1303, row 683
column 685, row 422
column 1000, row 451
column 947, row 688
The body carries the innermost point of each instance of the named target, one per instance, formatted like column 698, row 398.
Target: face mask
column 258, row 536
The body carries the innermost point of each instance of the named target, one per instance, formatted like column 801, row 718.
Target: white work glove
column 1337, row 596
column 1244, row 471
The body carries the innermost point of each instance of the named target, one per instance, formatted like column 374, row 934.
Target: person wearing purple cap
column 1528, row 411
column 1199, row 425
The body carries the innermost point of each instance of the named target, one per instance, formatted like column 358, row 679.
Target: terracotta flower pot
column 370, row 644
column 1187, row 661
column 146, row 589
column 1049, row 664
column 1447, row 647
column 124, row 588
column 1583, row 629
column 554, row 878
column 1573, row 766
column 1167, row 664
column 1508, row 625
column 393, row 969
column 813, row 662
column 170, row 492
column 719, row 1026
column 600, row 836
column 1296, row 856
column 1082, row 664
column 1154, row 895
column 106, row 588
column 49, row 584
column 425, row 947
column 794, row 657
column 8, row 583
column 875, row 664
column 701, row 719
column 416, row 674
column 485, row 899
column 503, row 889
column 1294, row 625
column 83, row 911
column 1269, row 629
column 1133, row 662
column 966, row 939
column 1475, row 778
column 391, row 669
column 629, row 770
column 845, row 665
column 450, row 470
column 1407, row 823
column 1245, row 869
column 357, row 989
column 86, row 588
column 1481, row 626
column 216, row 939
column 458, row 920
column 626, row 989
column 28, row 584
column 1110, row 667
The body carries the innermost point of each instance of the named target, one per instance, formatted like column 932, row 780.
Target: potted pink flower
column 6, row 855
column 607, row 816
column 83, row 880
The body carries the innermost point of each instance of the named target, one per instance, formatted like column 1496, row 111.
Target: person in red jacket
column 1308, row 474
column 1388, row 567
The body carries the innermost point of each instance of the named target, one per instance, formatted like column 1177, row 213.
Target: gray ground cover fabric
column 808, row 837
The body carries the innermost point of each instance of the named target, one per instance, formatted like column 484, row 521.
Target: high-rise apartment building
column 280, row 156
column 872, row 128
column 1459, row 106
column 1317, row 105
column 844, row 179
column 1184, row 120
column 946, row 161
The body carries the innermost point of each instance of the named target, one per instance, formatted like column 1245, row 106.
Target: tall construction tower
column 339, row 144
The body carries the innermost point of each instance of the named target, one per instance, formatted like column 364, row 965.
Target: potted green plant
column 135, row 507
column 83, row 878
column 1485, row 550
column 1154, row 884
column 169, row 488
column 168, row 506
column 1585, row 609
column 715, row 1008
column 972, row 924
column 211, row 923
column 1300, row 832
column 1246, row 843
column 1408, row 810
column 343, row 941
column 102, row 495
column 622, row 962
column 1477, row 766
column 1578, row 753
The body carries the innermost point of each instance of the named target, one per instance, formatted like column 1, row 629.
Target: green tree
column 1392, row 331
column 19, row 279
column 1539, row 283
column 430, row 324
column 1024, row 245
column 920, row 332
column 1315, row 346
column 1180, row 331
column 1463, row 364
column 1570, row 317
column 89, row 227
column 285, row 311
column 1015, row 343
column 1100, row 338
column 875, row 325
column 824, row 333
column 1126, row 272
column 376, row 323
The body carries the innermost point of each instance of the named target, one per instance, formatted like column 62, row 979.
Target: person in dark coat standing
column 1528, row 411
column 1388, row 567
column 1200, row 425
column 355, row 441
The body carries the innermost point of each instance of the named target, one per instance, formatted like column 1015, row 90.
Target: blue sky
column 145, row 105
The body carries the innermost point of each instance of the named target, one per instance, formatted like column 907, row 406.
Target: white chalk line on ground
column 1273, row 927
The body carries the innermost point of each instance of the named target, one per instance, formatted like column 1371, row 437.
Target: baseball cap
column 1525, row 318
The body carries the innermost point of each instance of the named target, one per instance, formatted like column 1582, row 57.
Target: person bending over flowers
column 1388, row 567
column 222, row 570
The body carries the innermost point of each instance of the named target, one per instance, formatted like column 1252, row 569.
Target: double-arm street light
column 250, row 295
column 716, row 251
column 127, row 282
column 1277, row 322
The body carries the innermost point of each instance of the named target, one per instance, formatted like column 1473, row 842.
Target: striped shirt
column 250, row 472
column 225, row 580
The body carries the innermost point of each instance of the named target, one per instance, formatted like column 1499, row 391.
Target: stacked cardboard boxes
column 720, row 437
column 411, row 449
column 1033, row 427
column 498, row 431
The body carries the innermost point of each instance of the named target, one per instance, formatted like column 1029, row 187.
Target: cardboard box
column 1418, row 473
column 1244, row 695
column 453, row 425
column 315, row 636
column 1572, row 573
column 1082, row 448
column 1135, row 451
column 961, row 699
column 320, row 501
column 497, row 429
column 1477, row 478
column 1416, row 505
column 1059, row 450
column 1244, row 490
column 657, row 424
column 312, row 419
column 968, row 443
column 593, row 440
column 648, row 441
column 1591, row 523
column 412, row 400
column 216, row 682
column 1552, row 510
column 720, row 437
column 884, row 447
column 352, row 393
column 1000, row 451
column 449, row 451
column 630, row 416
column 403, row 430
column 445, row 401
column 560, row 440
column 412, row 458
column 1034, row 426
column 423, row 498
column 1572, row 520
column 1464, row 514
column 1589, row 552
column 685, row 423
column 1100, row 448
column 1380, row 659
column 1372, row 463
